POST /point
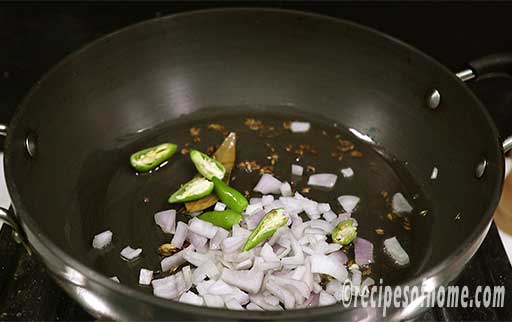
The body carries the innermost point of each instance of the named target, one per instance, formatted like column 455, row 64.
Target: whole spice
column 167, row 249
column 225, row 154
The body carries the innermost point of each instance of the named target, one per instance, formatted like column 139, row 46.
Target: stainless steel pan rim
column 440, row 274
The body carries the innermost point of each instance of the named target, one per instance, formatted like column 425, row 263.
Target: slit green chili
column 206, row 166
column 268, row 225
column 225, row 219
column 230, row 196
column 192, row 190
column 150, row 158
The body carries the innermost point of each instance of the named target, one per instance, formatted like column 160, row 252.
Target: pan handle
column 8, row 217
column 3, row 130
column 495, row 65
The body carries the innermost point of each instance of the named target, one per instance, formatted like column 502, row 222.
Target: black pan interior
column 125, row 202
column 152, row 82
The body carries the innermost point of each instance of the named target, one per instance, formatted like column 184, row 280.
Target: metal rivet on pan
column 480, row 168
column 434, row 99
column 30, row 144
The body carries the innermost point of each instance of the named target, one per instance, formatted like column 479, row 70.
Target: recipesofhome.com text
column 385, row 296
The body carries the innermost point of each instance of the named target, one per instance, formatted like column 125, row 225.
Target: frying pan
column 67, row 147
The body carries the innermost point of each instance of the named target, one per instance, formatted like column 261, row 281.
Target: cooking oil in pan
column 266, row 144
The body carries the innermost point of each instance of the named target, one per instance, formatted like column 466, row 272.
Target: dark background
column 35, row 36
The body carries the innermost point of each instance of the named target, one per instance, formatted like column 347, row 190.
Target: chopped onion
column 213, row 300
column 130, row 254
column 286, row 190
column 285, row 296
column 174, row 260
column 234, row 305
column 187, row 275
column 238, row 295
column 363, row 250
column 356, row 278
column 328, row 265
column 339, row 256
column 207, row 268
column 393, row 248
column 347, row 172
column 276, row 204
column 202, row 287
column 297, row 170
column 326, row 299
column 300, row 127
column 194, row 257
column 168, row 290
column 102, row 240
column 220, row 235
column 179, row 235
column 311, row 209
column 312, row 301
column 237, row 231
column 247, row 280
column 259, row 300
column 196, row 240
column 348, row 202
column 246, row 264
column 145, row 276
column 219, row 206
column 267, row 200
column 203, row 228
column 367, row 282
column 329, row 216
column 326, row 180
column 322, row 225
column 297, row 286
column 323, row 207
column 433, row 176
column 267, row 253
column 253, row 220
column 298, row 255
column 268, row 184
column 220, row 288
column 333, row 286
column 166, row 220
column 252, row 208
column 253, row 200
column 165, row 281
column 253, row 307
column 232, row 244
column 400, row 204
column 191, row 298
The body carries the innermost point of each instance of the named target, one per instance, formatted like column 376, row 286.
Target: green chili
column 207, row 166
column 192, row 190
column 344, row 232
column 150, row 158
column 230, row 196
column 225, row 219
column 266, row 228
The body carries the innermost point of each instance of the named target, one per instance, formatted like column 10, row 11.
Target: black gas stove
column 36, row 36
